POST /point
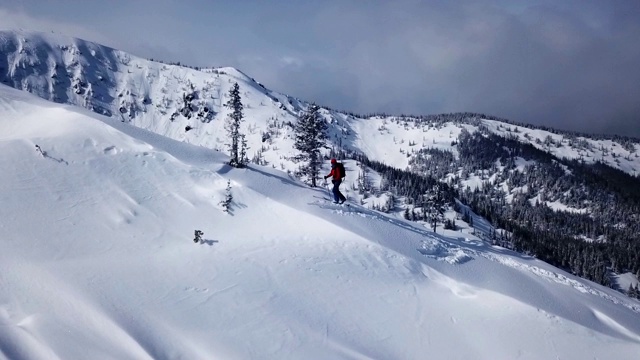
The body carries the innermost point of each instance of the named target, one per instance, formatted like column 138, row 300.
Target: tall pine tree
column 233, row 126
column 310, row 137
column 434, row 206
column 228, row 198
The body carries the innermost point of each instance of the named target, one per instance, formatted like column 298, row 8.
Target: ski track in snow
column 451, row 253
column 558, row 278
column 443, row 250
column 435, row 249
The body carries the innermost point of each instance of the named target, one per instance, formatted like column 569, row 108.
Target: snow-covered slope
column 187, row 104
column 98, row 262
column 174, row 101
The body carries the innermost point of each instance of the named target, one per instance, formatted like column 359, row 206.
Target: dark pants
column 337, row 195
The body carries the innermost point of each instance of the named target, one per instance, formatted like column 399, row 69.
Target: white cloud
column 291, row 62
column 18, row 19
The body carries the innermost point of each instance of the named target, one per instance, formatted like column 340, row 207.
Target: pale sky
column 571, row 64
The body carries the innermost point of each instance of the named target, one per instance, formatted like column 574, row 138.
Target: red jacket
column 335, row 173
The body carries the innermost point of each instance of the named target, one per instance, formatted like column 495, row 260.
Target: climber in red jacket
column 337, row 174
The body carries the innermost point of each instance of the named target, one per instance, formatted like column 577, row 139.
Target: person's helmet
column 333, row 161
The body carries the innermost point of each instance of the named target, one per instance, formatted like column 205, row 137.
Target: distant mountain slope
column 168, row 99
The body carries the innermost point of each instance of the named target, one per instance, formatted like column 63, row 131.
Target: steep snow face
column 174, row 101
column 187, row 104
column 98, row 262
column 61, row 69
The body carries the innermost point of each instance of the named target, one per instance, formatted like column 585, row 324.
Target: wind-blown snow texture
column 98, row 262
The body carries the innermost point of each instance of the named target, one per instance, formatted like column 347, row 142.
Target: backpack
column 341, row 170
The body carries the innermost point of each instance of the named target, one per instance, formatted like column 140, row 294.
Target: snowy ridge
column 188, row 105
column 98, row 262
column 565, row 146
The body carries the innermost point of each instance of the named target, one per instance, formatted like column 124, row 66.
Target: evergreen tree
column 310, row 137
column 363, row 182
column 233, row 125
column 228, row 198
column 466, row 217
column 390, row 203
column 243, row 150
column 450, row 224
column 434, row 207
